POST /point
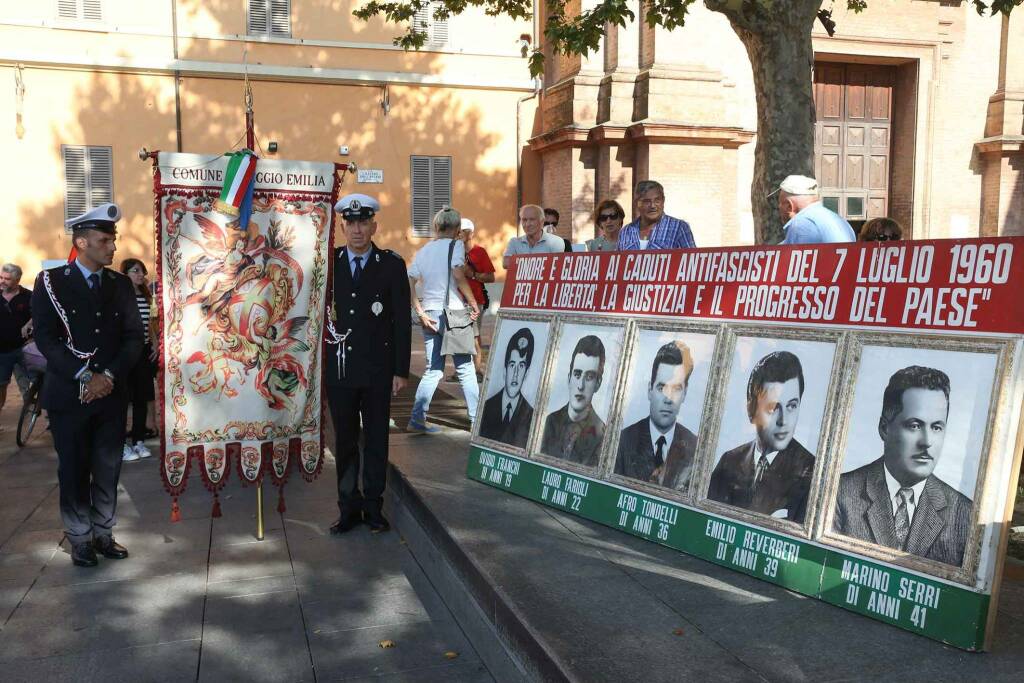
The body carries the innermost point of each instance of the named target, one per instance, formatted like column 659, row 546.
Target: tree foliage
column 581, row 33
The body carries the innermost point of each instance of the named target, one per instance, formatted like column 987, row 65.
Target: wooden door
column 853, row 104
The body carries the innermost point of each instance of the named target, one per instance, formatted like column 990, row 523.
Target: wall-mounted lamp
column 272, row 147
column 385, row 99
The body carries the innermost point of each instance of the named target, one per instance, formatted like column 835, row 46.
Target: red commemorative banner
column 948, row 285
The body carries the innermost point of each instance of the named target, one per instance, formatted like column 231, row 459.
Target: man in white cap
column 88, row 327
column 806, row 219
column 370, row 333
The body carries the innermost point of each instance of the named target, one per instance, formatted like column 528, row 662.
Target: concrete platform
column 573, row 600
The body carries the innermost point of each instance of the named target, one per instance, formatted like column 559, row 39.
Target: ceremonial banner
column 241, row 311
column 843, row 420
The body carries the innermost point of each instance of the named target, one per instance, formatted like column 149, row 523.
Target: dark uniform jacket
column 578, row 442
column 636, row 456
column 492, row 424
column 379, row 345
column 785, row 485
column 938, row 531
column 113, row 328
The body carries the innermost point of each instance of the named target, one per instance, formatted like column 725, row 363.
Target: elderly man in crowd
column 653, row 229
column 806, row 219
column 534, row 240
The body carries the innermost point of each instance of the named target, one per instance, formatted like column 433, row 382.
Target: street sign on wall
column 840, row 420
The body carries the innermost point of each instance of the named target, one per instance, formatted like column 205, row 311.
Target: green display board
column 915, row 602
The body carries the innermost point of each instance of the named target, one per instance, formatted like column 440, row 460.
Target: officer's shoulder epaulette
column 392, row 253
column 112, row 274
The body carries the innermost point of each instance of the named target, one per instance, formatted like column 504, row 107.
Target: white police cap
column 102, row 218
column 357, row 206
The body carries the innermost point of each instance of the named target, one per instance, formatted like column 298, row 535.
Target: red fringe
column 216, row 506
column 175, row 511
column 280, row 501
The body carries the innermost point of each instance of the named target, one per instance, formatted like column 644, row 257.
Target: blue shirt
column 352, row 259
column 816, row 224
column 86, row 272
column 668, row 233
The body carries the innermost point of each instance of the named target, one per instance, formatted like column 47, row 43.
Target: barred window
column 270, row 18
column 431, row 180
column 88, row 178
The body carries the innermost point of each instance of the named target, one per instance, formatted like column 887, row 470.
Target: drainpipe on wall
column 519, row 144
column 177, row 73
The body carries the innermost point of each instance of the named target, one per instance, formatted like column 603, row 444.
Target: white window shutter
column 258, row 20
column 67, row 9
column 421, row 204
column 436, row 30
column 439, row 35
column 92, row 10
column 100, row 174
column 281, row 18
column 76, row 199
column 440, row 183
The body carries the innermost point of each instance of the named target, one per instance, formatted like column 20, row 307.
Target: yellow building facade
column 920, row 115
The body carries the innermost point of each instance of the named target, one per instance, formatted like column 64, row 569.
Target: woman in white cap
column 440, row 269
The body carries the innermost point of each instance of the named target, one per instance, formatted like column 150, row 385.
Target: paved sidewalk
column 202, row 599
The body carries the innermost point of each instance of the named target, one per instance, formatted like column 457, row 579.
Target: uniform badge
column 377, row 307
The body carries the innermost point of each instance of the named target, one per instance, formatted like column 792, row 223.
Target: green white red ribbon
column 238, row 182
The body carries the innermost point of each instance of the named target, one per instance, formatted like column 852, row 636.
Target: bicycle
column 30, row 412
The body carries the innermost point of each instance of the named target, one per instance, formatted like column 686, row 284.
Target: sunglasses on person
column 885, row 237
column 607, row 217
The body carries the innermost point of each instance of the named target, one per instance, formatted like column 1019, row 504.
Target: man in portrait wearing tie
column 88, row 327
column 897, row 501
column 507, row 415
column 574, row 432
column 658, row 449
column 369, row 346
column 771, row 474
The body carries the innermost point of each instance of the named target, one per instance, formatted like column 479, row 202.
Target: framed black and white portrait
column 766, row 457
column 908, row 478
column 663, row 404
column 579, row 392
column 515, row 368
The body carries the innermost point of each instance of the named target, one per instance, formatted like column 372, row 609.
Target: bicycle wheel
column 30, row 413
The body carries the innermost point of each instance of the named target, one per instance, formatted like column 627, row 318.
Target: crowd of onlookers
column 450, row 273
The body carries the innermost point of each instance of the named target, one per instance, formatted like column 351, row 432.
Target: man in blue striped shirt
column 653, row 229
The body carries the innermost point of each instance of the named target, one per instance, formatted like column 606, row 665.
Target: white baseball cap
column 467, row 225
column 798, row 185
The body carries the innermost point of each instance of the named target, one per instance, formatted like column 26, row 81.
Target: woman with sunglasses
column 608, row 218
column 881, row 230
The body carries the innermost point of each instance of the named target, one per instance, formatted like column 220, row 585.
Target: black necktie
column 508, row 413
column 358, row 270
column 659, row 454
column 94, row 284
column 762, row 466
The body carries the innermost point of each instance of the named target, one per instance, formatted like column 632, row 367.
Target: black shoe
column 377, row 523
column 109, row 548
column 82, row 555
column 346, row 523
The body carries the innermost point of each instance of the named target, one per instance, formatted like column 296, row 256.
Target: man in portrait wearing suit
column 574, row 432
column 507, row 415
column 368, row 364
column 657, row 449
column 896, row 501
column 88, row 327
column 771, row 474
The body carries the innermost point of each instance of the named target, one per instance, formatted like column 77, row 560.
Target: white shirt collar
column 771, row 455
column 894, row 488
column 655, row 435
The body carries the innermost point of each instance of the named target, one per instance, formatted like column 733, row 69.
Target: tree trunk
column 777, row 37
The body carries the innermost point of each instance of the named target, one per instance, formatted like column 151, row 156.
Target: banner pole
column 259, row 511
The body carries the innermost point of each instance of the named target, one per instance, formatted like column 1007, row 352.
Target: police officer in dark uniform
column 369, row 339
column 87, row 325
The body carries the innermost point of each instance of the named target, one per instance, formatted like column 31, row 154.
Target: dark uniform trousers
column 374, row 312
column 88, row 437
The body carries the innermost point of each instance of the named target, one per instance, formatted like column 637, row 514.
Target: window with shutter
column 270, row 18
column 431, row 180
column 436, row 29
column 88, row 178
column 90, row 10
